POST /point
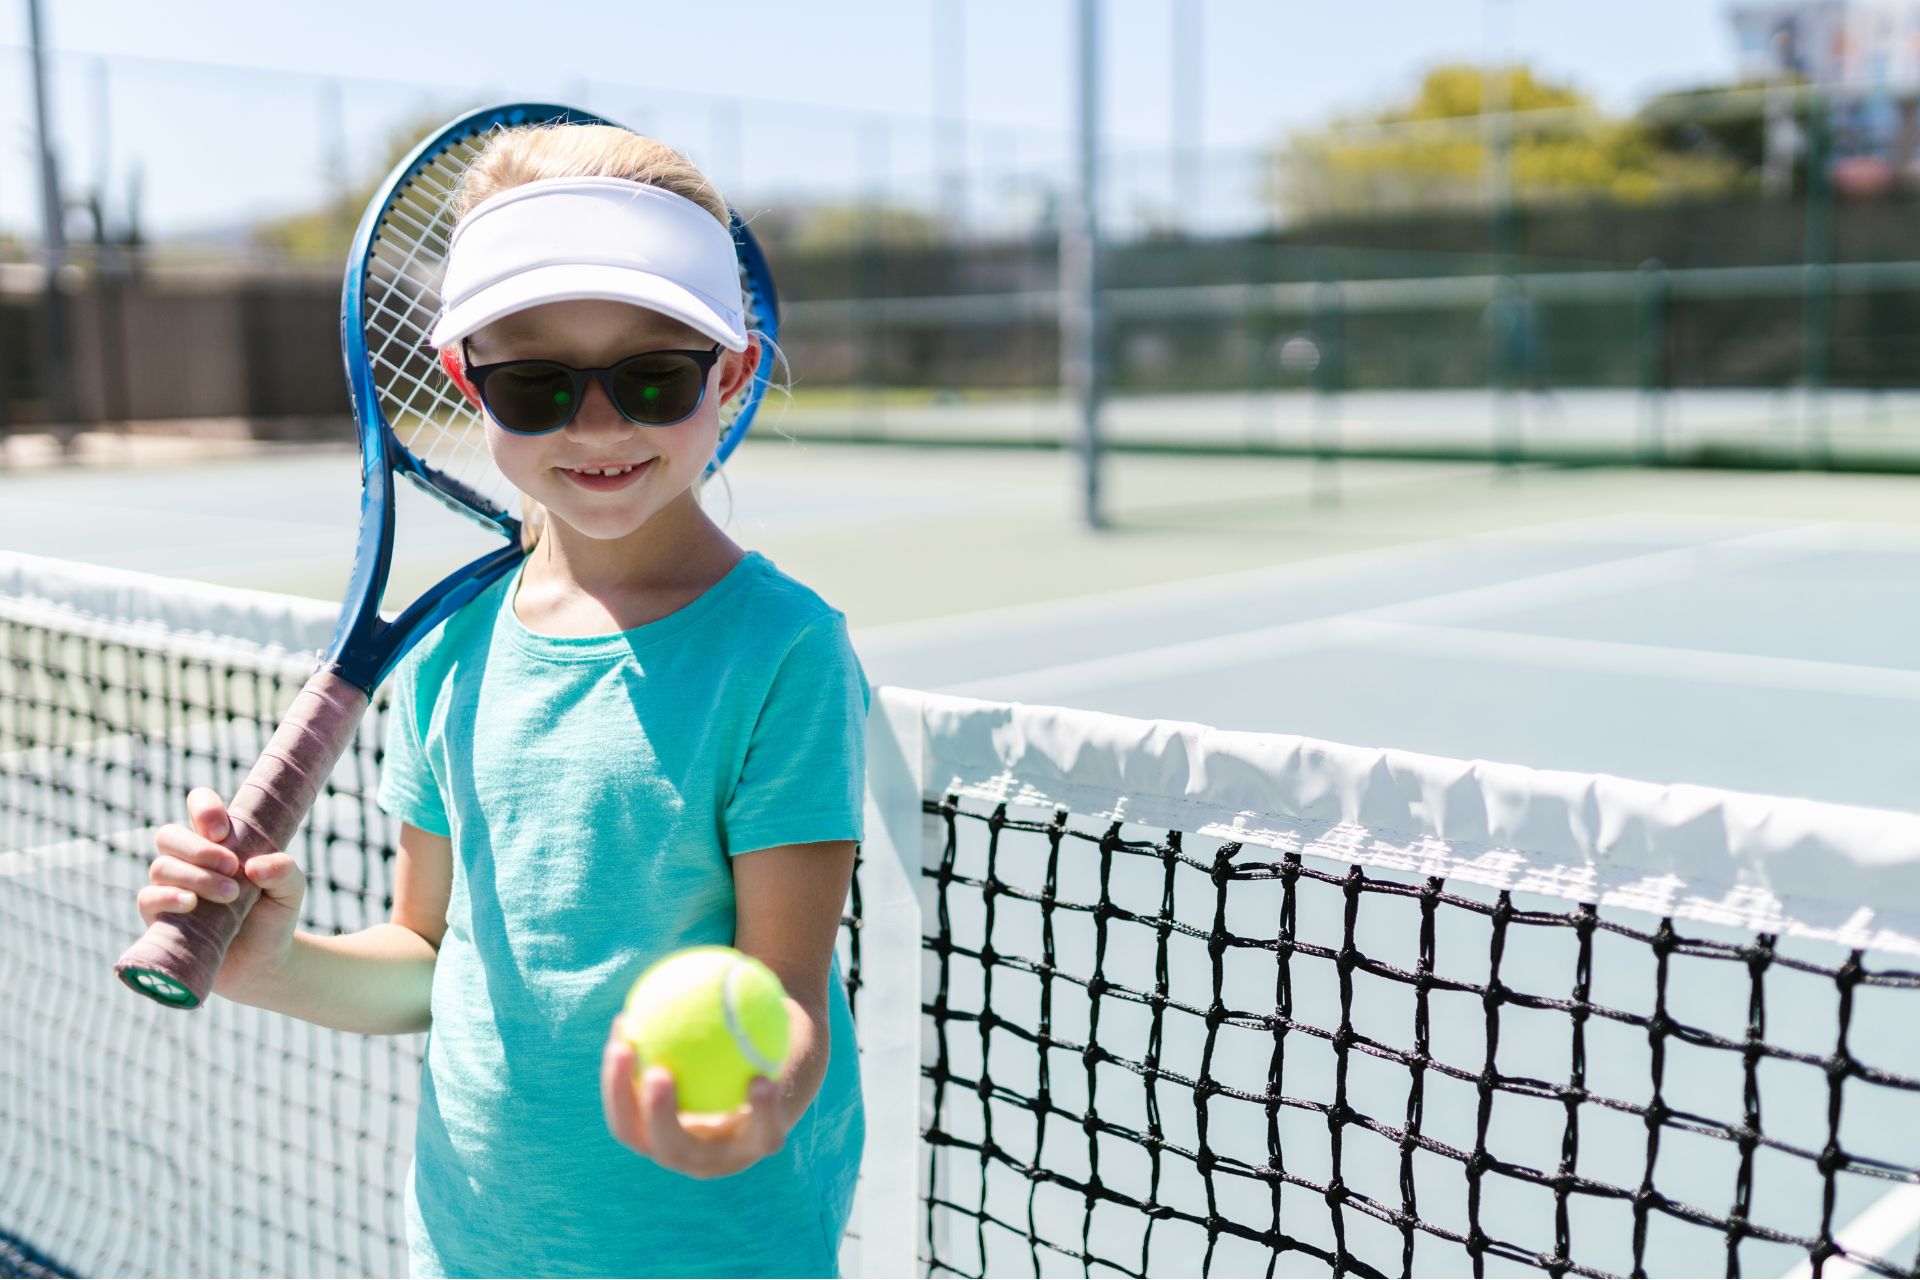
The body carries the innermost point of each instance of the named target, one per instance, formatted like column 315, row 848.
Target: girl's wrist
column 264, row 985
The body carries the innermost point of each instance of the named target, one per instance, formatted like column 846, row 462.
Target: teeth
column 605, row 471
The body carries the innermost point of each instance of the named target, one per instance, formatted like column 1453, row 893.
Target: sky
column 234, row 109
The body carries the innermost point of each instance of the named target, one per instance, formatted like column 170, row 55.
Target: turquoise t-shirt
column 594, row 790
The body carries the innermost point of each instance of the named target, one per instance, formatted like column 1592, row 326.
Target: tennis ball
column 715, row 1018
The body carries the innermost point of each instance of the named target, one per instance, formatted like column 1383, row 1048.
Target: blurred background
column 1668, row 231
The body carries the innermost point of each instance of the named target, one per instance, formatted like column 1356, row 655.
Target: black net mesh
column 1156, row 1055
column 1143, row 1051
column 140, row 1140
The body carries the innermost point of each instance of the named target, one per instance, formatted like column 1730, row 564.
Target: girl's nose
column 597, row 413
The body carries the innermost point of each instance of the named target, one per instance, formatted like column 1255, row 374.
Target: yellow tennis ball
column 715, row 1018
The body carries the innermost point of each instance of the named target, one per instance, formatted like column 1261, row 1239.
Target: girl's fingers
column 751, row 1132
column 209, row 813
column 644, row 1115
column 712, row 1146
column 279, row 877
column 667, row 1141
column 763, row 1122
column 168, row 872
column 618, row 1096
column 156, row 901
column 177, row 841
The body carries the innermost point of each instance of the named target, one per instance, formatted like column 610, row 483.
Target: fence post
column 1329, row 324
column 1510, row 325
column 1654, row 371
column 1081, row 319
column 1816, row 313
column 58, row 346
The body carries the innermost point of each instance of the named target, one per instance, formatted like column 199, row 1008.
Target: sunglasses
column 652, row 389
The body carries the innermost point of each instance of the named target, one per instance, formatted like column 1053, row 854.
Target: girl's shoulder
column 779, row 602
column 771, row 621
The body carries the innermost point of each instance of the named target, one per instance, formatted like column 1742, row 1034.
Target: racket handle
column 175, row 961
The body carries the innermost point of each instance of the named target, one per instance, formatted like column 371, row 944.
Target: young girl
column 644, row 739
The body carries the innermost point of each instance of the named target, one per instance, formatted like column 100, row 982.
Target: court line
column 63, row 854
column 1235, row 648
column 1621, row 657
column 1218, row 592
column 1888, row 1221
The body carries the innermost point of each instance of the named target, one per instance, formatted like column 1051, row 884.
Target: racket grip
column 175, row 961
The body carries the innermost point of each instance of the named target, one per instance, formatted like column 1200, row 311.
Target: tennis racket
column 413, row 423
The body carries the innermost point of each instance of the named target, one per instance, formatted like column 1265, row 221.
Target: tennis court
column 1733, row 630
column 1744, row 630
column 1430, row 792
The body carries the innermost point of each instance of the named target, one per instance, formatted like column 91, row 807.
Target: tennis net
column 1133, row 997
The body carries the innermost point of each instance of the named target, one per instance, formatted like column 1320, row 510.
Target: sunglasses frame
column 477, row 375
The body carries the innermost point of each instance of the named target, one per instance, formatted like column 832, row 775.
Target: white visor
column 560, row 239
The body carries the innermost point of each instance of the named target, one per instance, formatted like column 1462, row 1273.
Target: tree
column 827, row 226
column 324, row 234
column 1437, row 150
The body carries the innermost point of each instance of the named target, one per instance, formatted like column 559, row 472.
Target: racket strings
column 430, row 418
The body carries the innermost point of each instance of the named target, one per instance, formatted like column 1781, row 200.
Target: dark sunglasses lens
column 658, row 388
column 530, row 396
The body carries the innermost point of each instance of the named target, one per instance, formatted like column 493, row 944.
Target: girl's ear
column 457, row 370
column 740, row 368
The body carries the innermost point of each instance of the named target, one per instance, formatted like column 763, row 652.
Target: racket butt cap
column 158, row 986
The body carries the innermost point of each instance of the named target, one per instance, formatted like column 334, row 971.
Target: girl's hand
column 642, row 1116
column 192, row 865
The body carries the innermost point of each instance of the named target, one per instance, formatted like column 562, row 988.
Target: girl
column 644, row 739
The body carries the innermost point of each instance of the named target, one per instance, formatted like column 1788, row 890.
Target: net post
column 892, row 1171
column 1080, row 284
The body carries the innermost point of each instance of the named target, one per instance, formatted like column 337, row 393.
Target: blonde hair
column 529, row 153
column 515, row 157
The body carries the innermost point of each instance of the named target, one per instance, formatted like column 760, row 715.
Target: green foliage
column 833, row 226
column 1442, row 148
column 1730, row 123
column 323, row 235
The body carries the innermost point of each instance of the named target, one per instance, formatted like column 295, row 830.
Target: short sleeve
column 408, row 789
column 804, row 777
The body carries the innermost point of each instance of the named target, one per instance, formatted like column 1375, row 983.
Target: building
column 1865, row 56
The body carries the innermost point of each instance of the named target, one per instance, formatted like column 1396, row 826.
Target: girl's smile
column 606, row 477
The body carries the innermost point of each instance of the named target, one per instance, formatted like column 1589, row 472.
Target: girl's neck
column 576, row 585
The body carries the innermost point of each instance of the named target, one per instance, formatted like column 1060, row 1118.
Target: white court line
column 64, row 854
column 1212, row 591
column 1216, row 592
column 1849, row 535
column 1234, row 648
column 1709, row 665
column 1891, row 1219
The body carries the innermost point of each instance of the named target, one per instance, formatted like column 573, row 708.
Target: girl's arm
column 376, row 981
column 787, row 909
